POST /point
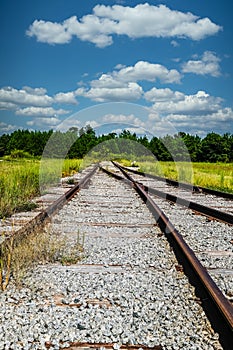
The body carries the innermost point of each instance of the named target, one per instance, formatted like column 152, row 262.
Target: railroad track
column 181, row 185
column 215, row 204
column 128, row 291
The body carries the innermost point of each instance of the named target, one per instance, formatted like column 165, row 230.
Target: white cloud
column 163, row 95
column 7, row 106
column 122, row 85
column 154, row 116
column 120, row 66
column 199, row 124
column 218, row 120
column 123, row 118
column 108, row 81
column 175, row 43
column 140, row 131
column 198, row 114
column 141, row 71
column 26, row 96
column 34, row 101
column 41, row 122
column 35, row 91
column 176, row 59
column 132, row 91
column 201, row 102
column 7, row 128
column 66, row 97
column 208, row 64
column 112, row 118
column 40, row 111
column 50, row 32
column 143, row 20
column 92, row 123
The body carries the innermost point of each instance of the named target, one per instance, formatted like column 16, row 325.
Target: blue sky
column 155, row 65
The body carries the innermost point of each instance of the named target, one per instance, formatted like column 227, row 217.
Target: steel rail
column 221, row 302
column 47, row 212
column 108, row 346
column 184, row 185
column 71, row 193
column 203, row 209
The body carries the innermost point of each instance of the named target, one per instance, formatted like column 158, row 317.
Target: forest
column 179, row 147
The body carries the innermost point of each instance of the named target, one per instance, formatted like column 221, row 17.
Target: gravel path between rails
column 212, row 241
column 210, row 200
column 125, row 290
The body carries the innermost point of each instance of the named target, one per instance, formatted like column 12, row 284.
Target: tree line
column 78, row 142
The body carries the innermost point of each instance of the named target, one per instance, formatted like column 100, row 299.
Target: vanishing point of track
column 129, row 290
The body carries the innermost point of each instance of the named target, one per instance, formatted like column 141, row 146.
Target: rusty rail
column 71, row 193
column 184, row 185
column 220, row 302
column 202, row 209
column 47, row 212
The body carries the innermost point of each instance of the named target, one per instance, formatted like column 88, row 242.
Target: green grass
column 19, row 182
column 217, row 176
column 71, row 166
column 23, row 179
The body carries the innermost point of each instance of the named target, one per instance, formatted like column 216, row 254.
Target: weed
column 70, row 181
column 72, row 255
column 6, row 252
column 19, row 254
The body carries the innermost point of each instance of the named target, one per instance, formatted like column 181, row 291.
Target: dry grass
column 19, row 254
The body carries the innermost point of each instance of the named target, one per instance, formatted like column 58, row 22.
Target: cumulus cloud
column 208, row 64
column 122, row 84
column 218, row 117
column 147, row 71
column 50, row 32
column 66, row 97
column 201, row 102
column 35, row 91
column 131, row 91
column 40, row 111
column 198, row 113
column 25, row 96
column 112, row 118
column 143, row 20
column 7, row 128
column 35, row 102
column 199, row 124
column 123, row 118
column 41, row 122
column 163, row 95
column 218, row 120
column 7, row 106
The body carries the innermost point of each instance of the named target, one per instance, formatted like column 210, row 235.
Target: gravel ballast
column 126, row 289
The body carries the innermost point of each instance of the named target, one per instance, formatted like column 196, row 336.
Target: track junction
column 158, row 278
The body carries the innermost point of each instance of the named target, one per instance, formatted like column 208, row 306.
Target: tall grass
column 20, row 181
column 21, row 253
column 217, row 176
column 51, row 171
column 71, row 166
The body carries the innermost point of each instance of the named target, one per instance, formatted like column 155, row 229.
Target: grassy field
column 20, row 181
column 217, row 176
